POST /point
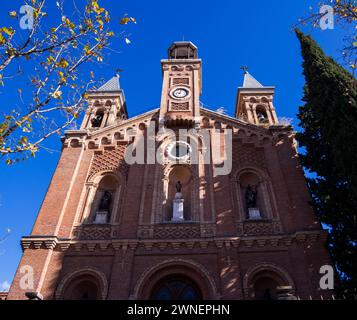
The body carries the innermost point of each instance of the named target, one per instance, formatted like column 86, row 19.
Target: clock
column 180, row 93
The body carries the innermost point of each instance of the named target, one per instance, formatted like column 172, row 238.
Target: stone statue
column 178, row 187
column 251, row 197
column 105, row 201
column 178, row 204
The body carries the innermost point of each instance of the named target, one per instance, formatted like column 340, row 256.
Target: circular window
column 179, row 150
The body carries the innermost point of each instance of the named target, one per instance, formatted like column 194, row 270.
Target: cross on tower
column 244, row 68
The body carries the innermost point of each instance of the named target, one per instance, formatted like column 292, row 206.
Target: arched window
column 218, row 125
column 205, row 122
column 262, row 115
column 98, row 119
column 103, row 204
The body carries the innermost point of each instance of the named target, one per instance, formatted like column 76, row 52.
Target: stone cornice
column 92, row 94
column 284, row 240
column 257, row 90
column 181, row 61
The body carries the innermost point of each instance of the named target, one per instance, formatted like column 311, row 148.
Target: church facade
column 177, row 203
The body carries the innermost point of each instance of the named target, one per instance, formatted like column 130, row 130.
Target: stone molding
column 54, row 243
column 177, row 262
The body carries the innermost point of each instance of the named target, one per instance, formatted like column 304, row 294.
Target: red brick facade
column 217, row 249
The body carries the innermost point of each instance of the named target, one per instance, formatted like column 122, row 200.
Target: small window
column 98, row 119
column 262, row 115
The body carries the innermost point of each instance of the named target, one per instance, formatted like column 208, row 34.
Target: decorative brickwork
column 180, row 81
column 248, row 156
column 180, row 106
column 109, row 160
column 177, row 232
column 261, row 228
column 93, row 232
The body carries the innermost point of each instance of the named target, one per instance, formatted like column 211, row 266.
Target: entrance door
column 176, row 288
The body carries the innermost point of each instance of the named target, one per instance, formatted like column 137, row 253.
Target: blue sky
column 228, row 33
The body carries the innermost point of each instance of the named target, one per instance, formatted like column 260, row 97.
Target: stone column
column 249, row 112
column 271, row 121
column 256, row 121
column 272, row 109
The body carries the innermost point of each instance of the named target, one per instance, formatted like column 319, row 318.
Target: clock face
column 180, row 93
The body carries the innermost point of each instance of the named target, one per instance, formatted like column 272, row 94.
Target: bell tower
column 255, row 102
column 106, row 106
column 181, row 87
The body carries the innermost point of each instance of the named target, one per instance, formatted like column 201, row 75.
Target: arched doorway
column 84, row 284
column 176, row 288
column 175, row 279
column 265, row 289
column 261, row 281
column 82, row 288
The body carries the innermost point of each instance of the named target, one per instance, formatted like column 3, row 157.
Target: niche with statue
column 179, row 195
column 104, row 199
column 252, row 196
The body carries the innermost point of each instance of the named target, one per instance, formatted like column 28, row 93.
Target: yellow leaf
column 57, row 94
column 63, row 63
column 8, row 31
column 124, row 20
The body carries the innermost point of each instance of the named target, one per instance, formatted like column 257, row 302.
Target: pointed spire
column 111, row 86
column 250, row 81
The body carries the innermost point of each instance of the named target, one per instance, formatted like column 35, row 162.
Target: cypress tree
column 329, row 138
